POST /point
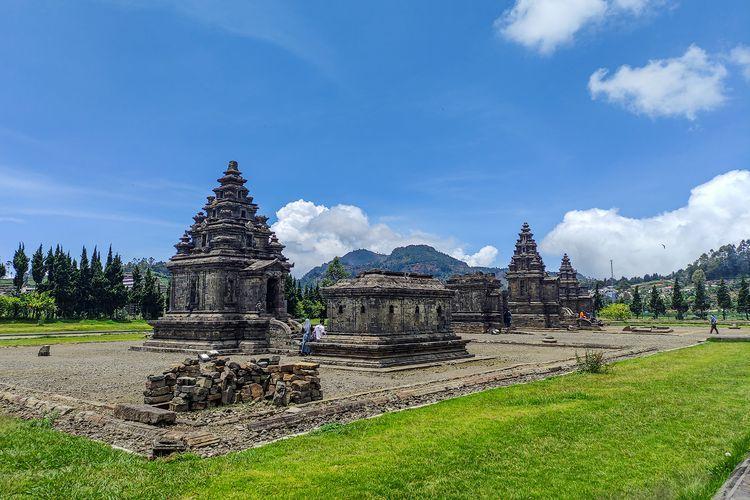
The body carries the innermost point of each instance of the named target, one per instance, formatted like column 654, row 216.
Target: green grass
column 69, row 339
column 652, row 427
column 84, row 325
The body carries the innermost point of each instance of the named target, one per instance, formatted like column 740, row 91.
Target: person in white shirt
column 319, row 332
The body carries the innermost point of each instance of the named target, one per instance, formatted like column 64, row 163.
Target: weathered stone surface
column 227, row 277
column 44, row 350
column 381, row 319
column 145, row 414
column 478, row 304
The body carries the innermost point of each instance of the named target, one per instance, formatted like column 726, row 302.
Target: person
column 714, row 327
column 319, row 332
column 507, row 319
column 304, row 347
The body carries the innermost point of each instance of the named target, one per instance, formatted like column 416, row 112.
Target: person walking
column 304, row 348
column 319, row 331
column 714, row 327
column 508, row 320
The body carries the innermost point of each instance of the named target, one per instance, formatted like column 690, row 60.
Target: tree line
column 83, row 288
column 307, row 301
column 700, row 301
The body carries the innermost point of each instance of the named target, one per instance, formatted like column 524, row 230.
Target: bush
column 591, row 362
column 616, row 311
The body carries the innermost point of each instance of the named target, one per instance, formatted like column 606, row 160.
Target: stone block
column 186, row 381
column 43, row 351
column 155, row 400
column 145, row 414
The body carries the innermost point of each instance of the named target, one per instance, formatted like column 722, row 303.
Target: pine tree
column 63, row 289
column 636, row 305
column 2, row 269
column 152, row 303
column 98, row 284
column 136, row 292
column 598, row 300
column 701, row 303
column 653, row 302
column 37, row 267
column 723, row 298
column 679, row 304
column 20, row 266
column 116, row 294
column 83, row 286
column 49, row 270
column 335, row 272
column 743, row 299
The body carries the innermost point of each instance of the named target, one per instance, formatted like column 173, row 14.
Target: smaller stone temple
column 381, row 319
column 227, row 288
column 571, row 294
column 478, row 304
column 532, row 293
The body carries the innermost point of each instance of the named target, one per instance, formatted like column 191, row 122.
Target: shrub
column 616, row 311
column 591, row 362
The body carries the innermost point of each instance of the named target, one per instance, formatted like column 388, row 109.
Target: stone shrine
column 478, row 304
column 227, row 288
column 381, row 319
column 532, row 293
column 571, row 294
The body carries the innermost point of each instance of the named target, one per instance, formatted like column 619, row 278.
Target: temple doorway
column 272, row 292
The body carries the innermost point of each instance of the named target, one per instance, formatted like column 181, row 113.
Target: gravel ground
column 109, row 372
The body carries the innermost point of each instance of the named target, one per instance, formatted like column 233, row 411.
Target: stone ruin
column 478, row 304
column 192, row 385
column 227, row 288
column 381, row 319
column 534, row 298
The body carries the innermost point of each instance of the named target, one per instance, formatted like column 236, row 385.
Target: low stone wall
column 194, row 385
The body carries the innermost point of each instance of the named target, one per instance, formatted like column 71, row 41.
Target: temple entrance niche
column 272, row 295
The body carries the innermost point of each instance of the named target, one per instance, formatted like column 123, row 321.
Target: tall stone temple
column 532, row 293
column 571, row 294
column 479, row 303
column 227, row 289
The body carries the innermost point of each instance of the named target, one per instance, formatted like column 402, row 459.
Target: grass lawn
column 69, row 339
column 85, row 325
column 651, row 427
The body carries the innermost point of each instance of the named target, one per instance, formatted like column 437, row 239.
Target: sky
column 617, row 128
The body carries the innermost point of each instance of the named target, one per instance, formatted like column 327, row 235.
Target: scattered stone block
column 44, row 350
column 145, row 414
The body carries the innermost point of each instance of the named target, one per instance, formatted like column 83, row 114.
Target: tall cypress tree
column 2, row 269
column 136, row 293
column 598, row 301
column 152, row 303
column 117, row 294
column 723, row 298
column 679, row 304
column 701, row 302
column 83, row 286
column 37, row 267
column 20, row 266
column 98, row 284
column 49, row 270
column 653, row 302
column 743, row 299
column 636, row 305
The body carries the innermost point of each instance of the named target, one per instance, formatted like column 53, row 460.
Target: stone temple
column 478, row 304
column 227, row 290
column 381, row 319
column 572, row 295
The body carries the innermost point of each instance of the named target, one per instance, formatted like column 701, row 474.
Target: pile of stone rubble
column 197, row 384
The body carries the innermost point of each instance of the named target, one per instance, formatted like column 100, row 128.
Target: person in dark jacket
column 508, row 320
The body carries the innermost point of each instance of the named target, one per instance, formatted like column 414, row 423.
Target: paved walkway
column 37, row 335
column 737, row 486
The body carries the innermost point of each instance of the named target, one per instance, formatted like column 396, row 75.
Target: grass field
column 652, row 427
column 69, row 339
column 86, row 325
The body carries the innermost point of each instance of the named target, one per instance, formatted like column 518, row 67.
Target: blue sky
column 396, row 122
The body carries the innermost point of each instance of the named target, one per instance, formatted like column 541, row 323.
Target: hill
column 422, row 259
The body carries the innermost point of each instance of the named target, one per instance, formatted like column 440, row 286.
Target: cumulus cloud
column 680, row 86
column 544, row 25
column 717, row 212
column 314, row 234
column 740, row 56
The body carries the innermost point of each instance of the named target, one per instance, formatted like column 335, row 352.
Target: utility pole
column 612, row 271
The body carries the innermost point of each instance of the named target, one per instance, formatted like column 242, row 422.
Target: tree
column 636, row 305
column 679, row 304
column 37, row 266
column 116, row 293
column 698, row 277
column 701, row 303
column 2, row 270
column 598, row 300
column 83, row 286
column 616, row 311
column 723, row 298
column 335, row 272
column 152, row 304
column 743, row 299
column 135, row 296
column 656, row 303
column 20, row 266
column 98, row 284
column 40, row 306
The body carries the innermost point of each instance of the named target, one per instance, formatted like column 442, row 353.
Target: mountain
column 421, row 259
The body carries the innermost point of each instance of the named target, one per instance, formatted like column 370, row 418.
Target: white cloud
column 314, row 234
column 740, row 56
column 544, row 25
column 717, row 212
column 681, row 86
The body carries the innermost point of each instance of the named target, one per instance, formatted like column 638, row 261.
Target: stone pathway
column 737, row 486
